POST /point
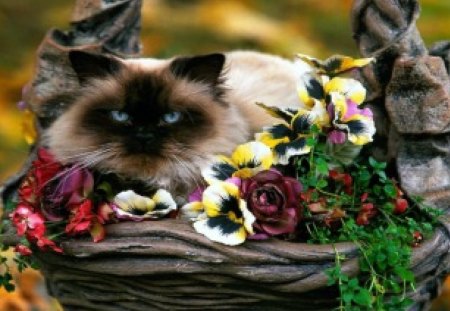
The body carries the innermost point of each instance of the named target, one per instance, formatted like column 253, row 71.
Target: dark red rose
column 274, row 200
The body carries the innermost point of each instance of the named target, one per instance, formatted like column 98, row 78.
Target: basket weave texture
column 166, row 265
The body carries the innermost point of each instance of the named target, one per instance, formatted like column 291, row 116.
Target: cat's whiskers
column 188, row 171
column 89, row 159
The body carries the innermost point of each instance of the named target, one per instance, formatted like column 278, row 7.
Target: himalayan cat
column 160, row 121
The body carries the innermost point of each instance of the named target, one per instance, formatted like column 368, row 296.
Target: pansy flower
column 132, row 206
column 290, row 139
column 336, row 64
column 341, row 97
column 221, row 215
column 348, row 121
column 246, row 161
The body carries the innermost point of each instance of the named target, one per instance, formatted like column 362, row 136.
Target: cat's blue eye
column 172, row 117
column 120, row 116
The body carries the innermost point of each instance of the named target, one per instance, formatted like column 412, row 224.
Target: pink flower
column 22, row 250
column 25, row 219
column 32, row 225
column 274, row 201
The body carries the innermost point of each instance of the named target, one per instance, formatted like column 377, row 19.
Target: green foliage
column 384, row 238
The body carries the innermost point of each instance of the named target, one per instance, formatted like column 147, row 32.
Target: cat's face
column 154, row 121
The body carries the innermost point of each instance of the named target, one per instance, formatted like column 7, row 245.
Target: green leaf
column 322, row 184
column 390, row 190
column 404, row 274
column 382, row 176
column 107, row 189
column 363, row 297
column 347, row 297
column 372, row 162
column 311, row 142
column 322, row 166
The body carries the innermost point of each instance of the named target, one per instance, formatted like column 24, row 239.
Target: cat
column 161, row 121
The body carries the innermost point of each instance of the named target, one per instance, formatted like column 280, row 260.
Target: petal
column 220, row 169
column 97, row 232
column 336, row 137
column 304, row 119
column 309, row 89
column 286, row 224
column 249, row 218
column 284, row 114
column 133, row 203
column 255, row 155
column 349, row 88
column 197, row 195
column 346, row 63
column 338, row 105
column 221, row 198
column 352, row 109
column 123, row 215
column 335, row 64
column 191, row 211
column 314, row 62
column 221, row 229
column 283, row 152
column 360, row 129
column 164, row 202
column 274, row 135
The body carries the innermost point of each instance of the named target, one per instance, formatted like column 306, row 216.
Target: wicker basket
column 166, row 265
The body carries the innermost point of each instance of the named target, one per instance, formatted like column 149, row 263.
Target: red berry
column 400, row 206
column 364, row 196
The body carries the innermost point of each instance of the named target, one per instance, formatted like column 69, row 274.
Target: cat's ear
column 203, row 68
column 88, row 65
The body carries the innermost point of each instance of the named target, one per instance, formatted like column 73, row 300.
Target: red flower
column 81, row 219
column 45, row 168
column 28, row 222
column 366, row 212
column 22, row 250
column 84, row 220
column 343, row 178
column 73, row 186
column 274, row 201
column 44, row 243
column 32, row 225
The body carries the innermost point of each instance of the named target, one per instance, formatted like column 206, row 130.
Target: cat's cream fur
column 247, row 77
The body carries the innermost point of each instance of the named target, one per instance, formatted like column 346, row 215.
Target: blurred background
column 170, row 27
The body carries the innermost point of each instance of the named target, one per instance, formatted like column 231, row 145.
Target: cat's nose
column 146, row 136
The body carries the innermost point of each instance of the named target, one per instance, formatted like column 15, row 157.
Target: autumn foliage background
column 170, row 27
